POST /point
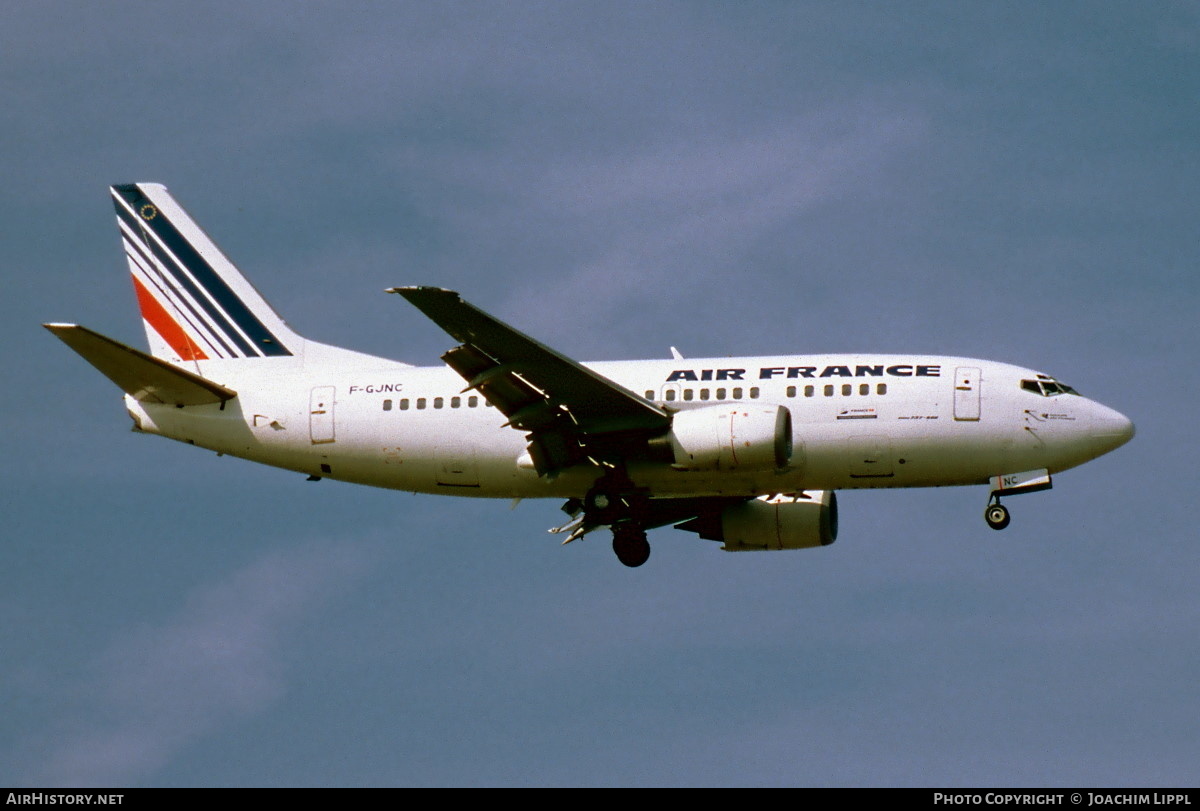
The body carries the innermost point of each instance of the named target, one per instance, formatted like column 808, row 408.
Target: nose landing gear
column 1012, row 484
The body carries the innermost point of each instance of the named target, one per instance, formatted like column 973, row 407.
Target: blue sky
column 1014, row 181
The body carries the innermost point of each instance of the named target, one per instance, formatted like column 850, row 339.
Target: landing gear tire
column 630, row 544
column 997, row 516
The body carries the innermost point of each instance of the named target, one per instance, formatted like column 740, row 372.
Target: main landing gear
column 604, row 505
column 996, row 514
column 614, row 500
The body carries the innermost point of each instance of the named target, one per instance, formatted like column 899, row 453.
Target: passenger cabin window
column 809, row 391
column 420, row 402
column 720, row 394
column 737, row 394
column 670, row 394
column 881, row 388
column 828, row 391
column 404, row 404
column 387, row 405
column 703, row 394
column 791, row 391
column 649, row 394
column 455, row 402
column 864, row 388
column 754, row 393
column 687, row 394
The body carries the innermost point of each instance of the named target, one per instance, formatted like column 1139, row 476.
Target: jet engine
column 797, row 521
column 731, row 437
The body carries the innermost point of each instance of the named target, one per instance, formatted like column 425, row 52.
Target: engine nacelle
column 780, row 522
column 732, row 437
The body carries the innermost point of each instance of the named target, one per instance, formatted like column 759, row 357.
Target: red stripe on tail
column 165, row 325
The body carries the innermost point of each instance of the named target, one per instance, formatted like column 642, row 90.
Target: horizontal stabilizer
column 143, row 377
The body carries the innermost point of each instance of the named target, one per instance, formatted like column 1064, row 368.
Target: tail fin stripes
column 148, row 275
column 180, row 299
column 196, row 305
column 166, row 327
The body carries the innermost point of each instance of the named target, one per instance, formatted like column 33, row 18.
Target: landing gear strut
column 1012, row 484
column 604, row 506
column 996, row 514
column 630, row 544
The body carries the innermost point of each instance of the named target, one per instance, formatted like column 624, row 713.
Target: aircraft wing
column 571, row 413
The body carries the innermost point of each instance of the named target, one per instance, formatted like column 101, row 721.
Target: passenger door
column 966, row 393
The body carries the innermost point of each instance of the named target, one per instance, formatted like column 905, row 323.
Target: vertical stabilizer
column 196, row 305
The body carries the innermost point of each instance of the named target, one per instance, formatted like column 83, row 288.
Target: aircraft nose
column 1112, row 429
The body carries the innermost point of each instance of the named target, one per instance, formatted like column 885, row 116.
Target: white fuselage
column 746, row 451
column 857, row 421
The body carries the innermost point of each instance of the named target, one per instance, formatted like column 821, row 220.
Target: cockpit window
column 1046, row 387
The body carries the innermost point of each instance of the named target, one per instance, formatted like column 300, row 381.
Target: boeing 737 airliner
column 745, row 451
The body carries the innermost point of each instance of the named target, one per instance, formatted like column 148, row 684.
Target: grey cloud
column 162, row 686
